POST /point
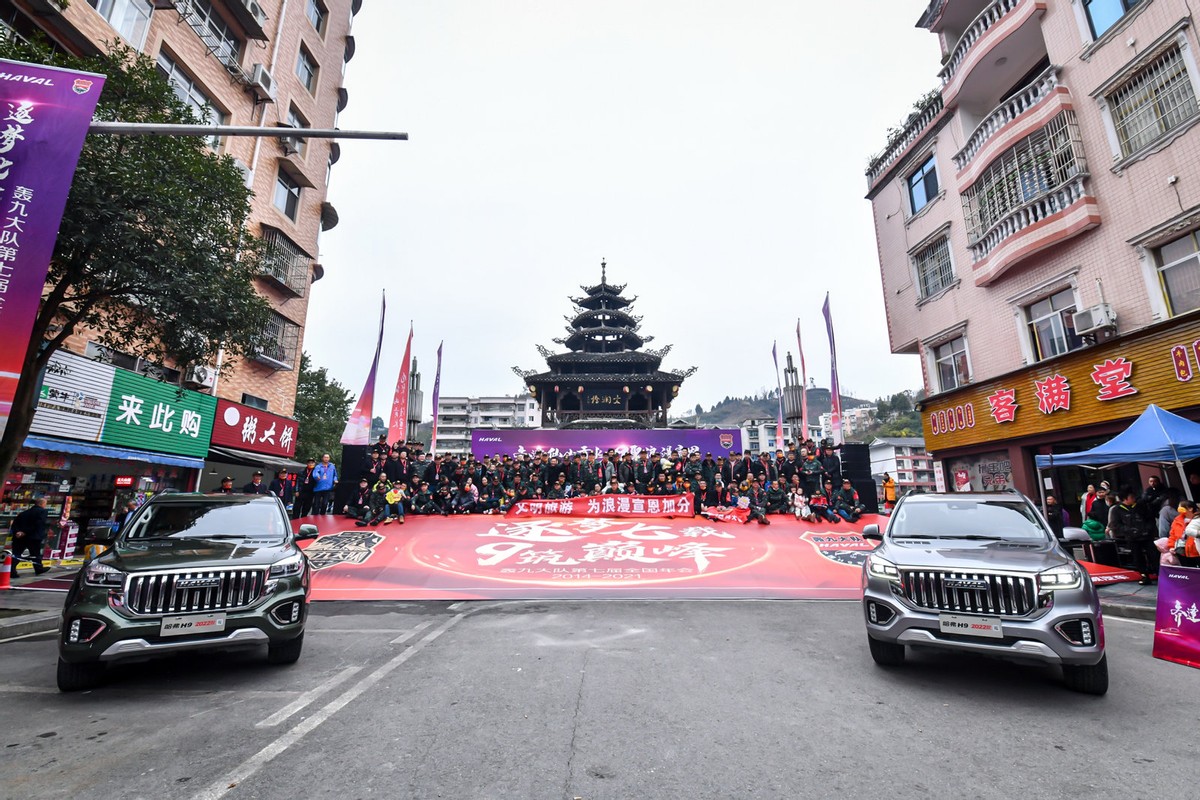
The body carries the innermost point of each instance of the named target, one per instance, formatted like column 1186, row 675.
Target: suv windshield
column 958, row 519
column 202, row 519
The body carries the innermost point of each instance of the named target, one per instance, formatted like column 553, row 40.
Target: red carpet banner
column 1177, row 621
column 608, row 505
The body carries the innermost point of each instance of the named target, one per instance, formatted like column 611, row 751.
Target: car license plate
column 987, row 627
column 182, row 625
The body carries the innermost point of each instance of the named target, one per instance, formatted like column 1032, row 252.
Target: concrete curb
column 1128, row 610
column 34, row 622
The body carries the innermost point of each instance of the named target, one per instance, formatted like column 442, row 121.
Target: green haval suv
column 190, row 572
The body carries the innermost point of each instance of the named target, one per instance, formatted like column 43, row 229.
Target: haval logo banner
column 565, row 444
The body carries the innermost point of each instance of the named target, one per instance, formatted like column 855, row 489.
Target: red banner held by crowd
column 726, row 514
column 607, row 505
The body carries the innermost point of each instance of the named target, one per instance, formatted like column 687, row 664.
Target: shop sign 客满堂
column 146, row 414
column 244, row 428
column 1112, row 381
column 74, row 397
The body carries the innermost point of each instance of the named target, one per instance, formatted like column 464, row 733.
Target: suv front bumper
column 1035, row 637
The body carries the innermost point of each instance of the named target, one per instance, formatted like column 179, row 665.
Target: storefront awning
column 247, row 459
column 108, row 451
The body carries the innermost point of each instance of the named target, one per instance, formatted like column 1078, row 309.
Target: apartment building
column 458, row 416
column 268, row 63
column 906, row 460
column 1037, row 220
column 854, row 422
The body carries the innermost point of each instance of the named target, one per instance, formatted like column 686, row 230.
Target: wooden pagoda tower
column 605, row 379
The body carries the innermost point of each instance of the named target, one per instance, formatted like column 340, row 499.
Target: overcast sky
column 712, row 151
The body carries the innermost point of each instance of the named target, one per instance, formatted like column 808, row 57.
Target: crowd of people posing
column 806, row 482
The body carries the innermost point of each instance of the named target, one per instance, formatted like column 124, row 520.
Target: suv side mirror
column 872, row 532
column 307, row 531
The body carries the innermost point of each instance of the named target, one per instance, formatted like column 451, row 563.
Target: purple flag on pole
column 437, row 388
column 44, row 117
column 779, row 386
column 358, row 427
column 835, row 392
column 803, row 388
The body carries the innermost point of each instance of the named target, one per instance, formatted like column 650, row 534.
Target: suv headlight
column 880, row 567
column 97, row 574
column 286, row 567
column 1067, row 576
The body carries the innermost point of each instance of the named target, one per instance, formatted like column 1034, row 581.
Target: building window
column 923, row 185
column 281, row 340
column 306, row 69
column 317, row 14
column 212, row 30
column 951, row 362
column 1103, row 14
column 254, row 402
column 287, row 194
column 294, row 120
column 1179, row 272
column 190, row 92
column 1038, row 164
column 130, row 18
column 934, row 270
column 285, row 262
column 1154, row 102
column 1052, row 325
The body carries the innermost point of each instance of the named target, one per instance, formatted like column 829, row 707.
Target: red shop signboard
column 244, row 428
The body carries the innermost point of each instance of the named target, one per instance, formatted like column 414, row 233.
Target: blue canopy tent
column 1156, row 437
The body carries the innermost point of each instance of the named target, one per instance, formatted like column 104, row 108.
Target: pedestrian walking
column 29, row 535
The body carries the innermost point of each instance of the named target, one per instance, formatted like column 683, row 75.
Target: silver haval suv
column 981, row 572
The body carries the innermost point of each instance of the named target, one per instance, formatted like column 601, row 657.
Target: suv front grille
column 969, row 592
column 200, row 590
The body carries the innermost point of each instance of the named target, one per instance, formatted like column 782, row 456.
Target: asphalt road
column 639, row 700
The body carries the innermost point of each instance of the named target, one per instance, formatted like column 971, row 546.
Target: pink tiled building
column 1037, row 221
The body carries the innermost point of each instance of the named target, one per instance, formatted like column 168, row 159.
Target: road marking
column 247, row 768
column 410, row 634
column 354, row 630
column 11, row 689
column 456, row 606
column 29, row 635
column 306, row 698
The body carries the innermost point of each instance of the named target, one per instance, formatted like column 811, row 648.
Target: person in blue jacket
column 326, row 477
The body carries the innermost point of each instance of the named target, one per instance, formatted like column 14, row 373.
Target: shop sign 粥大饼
column 74, row 398
column 146, row 414
column 244, row 428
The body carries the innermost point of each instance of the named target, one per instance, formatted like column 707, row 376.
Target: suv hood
column 965, row 556
column 161, row 554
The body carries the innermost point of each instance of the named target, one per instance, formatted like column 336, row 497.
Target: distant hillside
column 733, row 410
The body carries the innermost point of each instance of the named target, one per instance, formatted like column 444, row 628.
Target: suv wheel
column 886, row 654
column 285, row 652
column 79, row 677
column 1087, row 678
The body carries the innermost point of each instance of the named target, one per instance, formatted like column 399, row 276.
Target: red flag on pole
column 358, row 427
column 398, row 426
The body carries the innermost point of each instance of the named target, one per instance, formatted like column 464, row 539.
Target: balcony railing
column 639, row 418
column 1022, row 217
column 913, row 128
column 1006, row 112
column 282, row 343
column 286, row 263
column 986, row 20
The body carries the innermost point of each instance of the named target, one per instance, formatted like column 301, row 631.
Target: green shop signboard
column 149, row 415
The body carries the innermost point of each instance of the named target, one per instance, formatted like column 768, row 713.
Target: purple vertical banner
column 835, row 390
column 437, row 388
column 358, row 427
column 1177, row 620
column 44, row 116
column 803, row 388
column 779, row 386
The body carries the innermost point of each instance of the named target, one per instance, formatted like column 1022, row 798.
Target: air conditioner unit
column 255, row 10
column 262, row 83
column 1095, row 318
column 202, row 375
column 291, row 144
column 247, row 175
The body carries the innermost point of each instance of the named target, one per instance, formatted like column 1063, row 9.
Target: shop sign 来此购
column 146, row 414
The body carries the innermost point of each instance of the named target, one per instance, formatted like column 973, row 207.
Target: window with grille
column 923, row 185
column 130, row 18
column 1154, row 102
column 284, row 261
column 306, row 69
column 1103, row 14
column 934, row 270
column 1052, row 325
column 190, row 92
column 1179, row 273
column 950, row 360
column 217, row 36
column 281, row 340
column 1037, row 165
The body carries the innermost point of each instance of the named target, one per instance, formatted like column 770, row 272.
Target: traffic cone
column 6, row 571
